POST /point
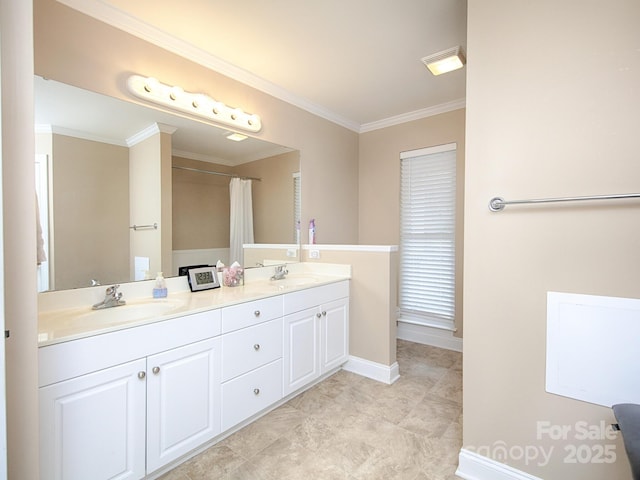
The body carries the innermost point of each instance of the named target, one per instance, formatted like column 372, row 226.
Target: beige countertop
column 63, row 319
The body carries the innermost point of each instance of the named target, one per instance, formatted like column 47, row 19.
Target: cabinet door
column 301, row 358
column 334, row 328
column 183, row 401
column 93, row 426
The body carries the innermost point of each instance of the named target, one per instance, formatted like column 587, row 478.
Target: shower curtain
column 241, row 218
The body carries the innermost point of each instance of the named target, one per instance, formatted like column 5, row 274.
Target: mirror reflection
column 105, row 165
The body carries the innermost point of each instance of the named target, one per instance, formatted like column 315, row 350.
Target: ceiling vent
column 445, row 61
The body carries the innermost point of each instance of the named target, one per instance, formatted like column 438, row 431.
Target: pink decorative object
column 233, row 276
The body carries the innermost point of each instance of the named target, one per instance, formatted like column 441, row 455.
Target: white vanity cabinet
column 122, row 404
column 183, row 407
column 251, row 359
column 125, row 403
column 93, row 426
column 316, row 333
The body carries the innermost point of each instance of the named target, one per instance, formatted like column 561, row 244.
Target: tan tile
column 213, row 463
column 281, row 420
column 285, row 460
column 246, row 471
column 423, row 372
column 311, row 434
column 398, row 456
column 349, row 427
column 449, row 386
column 431, row 417
column 175, row 474
column 346, row 451
column 250, row 440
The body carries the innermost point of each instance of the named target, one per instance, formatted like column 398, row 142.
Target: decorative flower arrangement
column 233, row 276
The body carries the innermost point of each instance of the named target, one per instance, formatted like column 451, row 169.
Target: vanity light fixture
column 445, row 61
column 199, row 104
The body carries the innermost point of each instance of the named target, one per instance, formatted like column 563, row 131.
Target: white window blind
column 427, row 236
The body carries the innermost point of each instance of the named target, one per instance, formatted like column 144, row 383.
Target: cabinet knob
column 324, row 314
column 256, row 347
column 141, row 375
column 156, row 370
column 318, row 314
column 256, row 391
column 257, row 313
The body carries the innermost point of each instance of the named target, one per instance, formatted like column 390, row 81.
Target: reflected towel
column 41, row 256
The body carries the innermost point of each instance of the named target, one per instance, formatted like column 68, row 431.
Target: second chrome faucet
column 280, row 273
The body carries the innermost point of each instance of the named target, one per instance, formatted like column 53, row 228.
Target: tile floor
column 350, row 428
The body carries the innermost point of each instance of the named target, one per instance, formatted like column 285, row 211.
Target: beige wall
column 201, row 201
column 273, row 214
column 379, row 191
column 76, row 49
column 372, row 307
column 150, row 202
column 200, row 206
column 552, row 110
column 90, row 221
column 19, row 299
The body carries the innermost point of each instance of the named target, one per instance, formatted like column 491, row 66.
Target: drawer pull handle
column 256, row 391
column 156, row 370
column 318, row 314
column 141, row 375
column 257, row 313
column 324, row 314
column 256, row 347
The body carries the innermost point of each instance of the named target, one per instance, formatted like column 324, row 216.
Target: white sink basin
column 122, row 314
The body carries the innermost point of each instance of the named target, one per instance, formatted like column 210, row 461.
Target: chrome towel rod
column 497, row 204
column 211, row 172
column 144, row 227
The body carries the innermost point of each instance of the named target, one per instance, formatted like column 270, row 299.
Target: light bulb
column 253, row 119
column 217, row 108
column 199, row 100
column 236, row 114
column 150, row 84
column 175, row 92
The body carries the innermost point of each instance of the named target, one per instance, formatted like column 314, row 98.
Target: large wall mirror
column 86, row 191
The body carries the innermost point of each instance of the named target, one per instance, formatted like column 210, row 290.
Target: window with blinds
column 427, row 236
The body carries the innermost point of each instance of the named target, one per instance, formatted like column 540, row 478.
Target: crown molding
column 136, row 27
column 70, row 132
column 148, row 132
column 415, row 115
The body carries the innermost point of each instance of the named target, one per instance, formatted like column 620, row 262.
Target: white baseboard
column 428, row 336
column 376, row 371
column 472, row 466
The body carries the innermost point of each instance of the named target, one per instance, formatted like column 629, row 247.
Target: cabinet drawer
column 250, row 393
column 65, row 360
column 252, row 347
column 246, row 314
column 311, row 297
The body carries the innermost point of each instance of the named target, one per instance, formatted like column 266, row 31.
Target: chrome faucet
column 280, row 273
column 112, row 298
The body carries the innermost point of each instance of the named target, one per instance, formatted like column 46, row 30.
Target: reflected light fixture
column 236, row 137
column 445, row 61
column 198, row 104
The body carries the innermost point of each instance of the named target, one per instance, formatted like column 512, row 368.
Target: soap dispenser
column 160, row 287
column 312, row 231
